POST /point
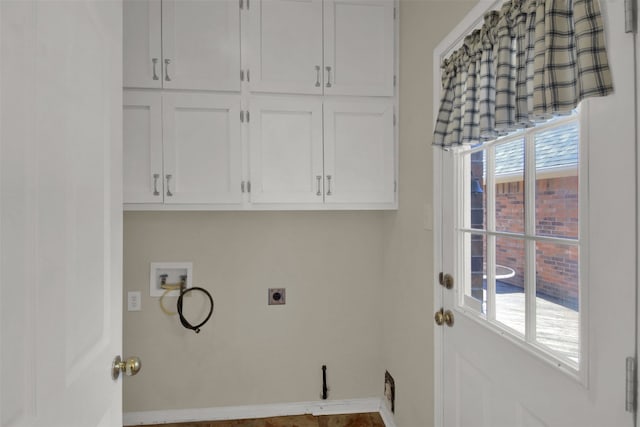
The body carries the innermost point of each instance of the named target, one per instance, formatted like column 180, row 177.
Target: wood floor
column 350, row 420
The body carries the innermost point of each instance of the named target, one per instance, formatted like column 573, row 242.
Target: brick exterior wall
column 556, row 215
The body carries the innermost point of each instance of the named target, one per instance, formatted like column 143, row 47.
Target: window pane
column 557, row 181
column 475, row 258
column 557, row 299
column 510, row 186
column 510, row 273
column 477, row 191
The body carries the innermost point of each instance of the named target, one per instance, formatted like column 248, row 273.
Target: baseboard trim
column 323, row 407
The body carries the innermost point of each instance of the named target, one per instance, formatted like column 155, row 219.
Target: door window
column 519, row 238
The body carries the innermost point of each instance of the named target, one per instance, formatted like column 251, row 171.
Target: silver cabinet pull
column 328, row 76
column 169, row 193
column 319, row 178
column 317, row 76
column 155, row 62
column 156, row 176
column 328, row 185
column 166, row 70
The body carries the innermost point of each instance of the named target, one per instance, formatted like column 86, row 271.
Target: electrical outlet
column 277, row 296
column 134, row 301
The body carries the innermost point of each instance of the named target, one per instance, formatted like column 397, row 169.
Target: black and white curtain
column 531, row 61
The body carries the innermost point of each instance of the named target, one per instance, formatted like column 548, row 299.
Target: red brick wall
column 556, row 215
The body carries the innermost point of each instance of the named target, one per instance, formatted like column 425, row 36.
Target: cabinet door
column 285, row 53
column 285, row 146
column 142, row 44
column 358, row 47
column 142, row 147
column 202, row 148
column 359, row 152
column 201, row 44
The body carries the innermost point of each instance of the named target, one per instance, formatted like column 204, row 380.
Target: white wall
column 408, row 290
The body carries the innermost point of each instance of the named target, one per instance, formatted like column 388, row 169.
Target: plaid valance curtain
column 530, row 61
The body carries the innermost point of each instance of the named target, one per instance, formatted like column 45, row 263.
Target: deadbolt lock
column 446, row 280
column 444, row 317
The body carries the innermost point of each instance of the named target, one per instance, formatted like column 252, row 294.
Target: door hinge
column 248, row 75
column 242, row 187
column 394, row 13
column 631, row 385
column 394, row 118
column 395, row 186
column 248, row 116
column 395, row 80
column 248, row 5
column 630, row 16
column 241, row 4
column 241, row 75
column 248, row 186
column 241, row 116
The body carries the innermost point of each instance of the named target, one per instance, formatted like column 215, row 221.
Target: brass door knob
column 448, row 318
column 130, row 367
column 444, row 317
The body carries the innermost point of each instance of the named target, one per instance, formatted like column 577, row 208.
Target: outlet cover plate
column 173, row 270
column 277, row 296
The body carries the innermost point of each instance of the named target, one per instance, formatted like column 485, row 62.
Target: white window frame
column 469, row 308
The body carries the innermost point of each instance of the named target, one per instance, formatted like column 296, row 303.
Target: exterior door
column 201, row 44
column 358, row 47
column 61, row 213
column 285, row 52
column 202, row 148
column 524, row 356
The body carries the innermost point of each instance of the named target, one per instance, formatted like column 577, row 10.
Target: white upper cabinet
column 202, row 148
column 142, row 44
column 201, row 44
column 285, row 146
column 358, row 47
column 182, row 44
column 142, row 147
column 285, row 53
column 359, row 152
column 331, row 47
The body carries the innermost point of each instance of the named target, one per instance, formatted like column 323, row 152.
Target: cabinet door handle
column 169, row 193
column 317, row 76
column 319, row 179
column 155, row 62
column 156, row 176
column 166, row 70
column 328, row 185
column 328, row 77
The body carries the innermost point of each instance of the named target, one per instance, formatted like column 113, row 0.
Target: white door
column 142, row 147
column 359, row 152
column 285, row 46
column 143, row 44
column 202, row 148
column 61, row 213
column 525, row 356
column 358, row 47
column 201, row 44
column 285, row 150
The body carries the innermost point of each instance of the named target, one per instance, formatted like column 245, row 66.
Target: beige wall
column 408, row 254
column 359, row 291
column 250, row 353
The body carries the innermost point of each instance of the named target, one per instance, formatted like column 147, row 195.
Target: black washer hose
column 184, row 321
